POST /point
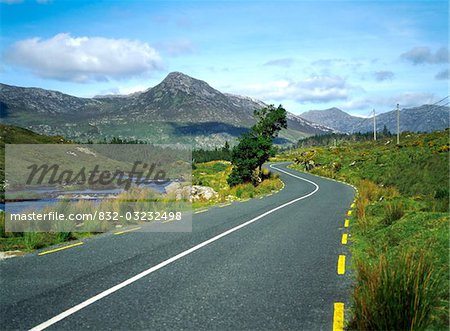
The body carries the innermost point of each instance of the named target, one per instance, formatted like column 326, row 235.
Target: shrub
column 2, row 225
column 219, row 166
column 361, row 205
column 369, row 190
column 63, row 236
column 265, row 173
column 32, row 240
column 400, row 293
column 441, row 193
column 393, row 211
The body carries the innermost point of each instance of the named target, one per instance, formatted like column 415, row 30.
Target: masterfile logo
column 97, row 187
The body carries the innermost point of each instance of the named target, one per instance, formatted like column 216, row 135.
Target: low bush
column 399, row 293
column 393, row 211
column 32, row 240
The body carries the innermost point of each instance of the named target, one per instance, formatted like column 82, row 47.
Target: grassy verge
column 212, row 174
column 400, row 228
column 215, row 173
column 31, row 241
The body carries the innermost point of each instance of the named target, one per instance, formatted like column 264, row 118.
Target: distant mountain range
column 180, row 109
column 425, row 118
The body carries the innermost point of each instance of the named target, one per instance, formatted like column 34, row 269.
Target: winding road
column 263, row 264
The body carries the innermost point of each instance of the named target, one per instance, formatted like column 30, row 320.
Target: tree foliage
column 270, row 121
column 256, row 146
column 204, row 155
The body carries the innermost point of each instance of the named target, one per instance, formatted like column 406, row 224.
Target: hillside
column 15, row 135
column 426, row 118
column 180, row 109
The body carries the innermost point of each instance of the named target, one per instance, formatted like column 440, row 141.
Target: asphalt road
column 277, row 272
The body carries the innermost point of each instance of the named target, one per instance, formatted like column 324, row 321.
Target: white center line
column 133, row 279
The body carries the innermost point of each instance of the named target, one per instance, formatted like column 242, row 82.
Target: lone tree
column 256, row 146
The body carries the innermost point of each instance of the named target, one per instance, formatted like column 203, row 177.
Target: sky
column 354, row 55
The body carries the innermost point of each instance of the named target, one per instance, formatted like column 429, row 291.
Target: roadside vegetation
column 399, row 228
column 214, row 174
column 210, row 168
column 206, row 155
column 255, row 147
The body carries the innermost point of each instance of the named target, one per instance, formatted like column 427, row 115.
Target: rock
column 194, row 193
column 203, row 193
column 10, row 254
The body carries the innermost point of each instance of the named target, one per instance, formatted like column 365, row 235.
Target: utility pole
column 374, row 126
column 398, row 124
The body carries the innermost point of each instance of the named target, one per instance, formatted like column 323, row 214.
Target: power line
column 440, row 100
column 436, row 104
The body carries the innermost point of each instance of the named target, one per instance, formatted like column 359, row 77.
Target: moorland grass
column 400, row 228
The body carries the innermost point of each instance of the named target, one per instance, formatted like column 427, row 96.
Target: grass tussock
column 32, row 240
column 393, row 211
column 396, row 294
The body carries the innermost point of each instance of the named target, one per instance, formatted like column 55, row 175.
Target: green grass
column 215, row 173
column 419, row 166
column 30, row 241
column 399, row 230
column 395, row 294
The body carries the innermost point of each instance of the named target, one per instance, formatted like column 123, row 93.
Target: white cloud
column 123, row 90
column 314, row 89
column 422, row 55
column 443, row 75
column 285, row 62
column 383, row 75
column 83, row 59
column 382, row 103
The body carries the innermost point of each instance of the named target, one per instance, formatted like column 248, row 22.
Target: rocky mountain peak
column 179, row 109
column 179, row 82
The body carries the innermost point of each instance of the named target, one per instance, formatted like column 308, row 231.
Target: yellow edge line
column 200, row 211
column 338, row 316
column 352, row 205
column 349, row 213
column 245, row 200
column 61, row 248
column 125, row 231
column 227, row 204
column 346, row 223
column 341, row 265
column 261, row 198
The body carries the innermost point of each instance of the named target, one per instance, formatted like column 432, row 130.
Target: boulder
column 193, row 193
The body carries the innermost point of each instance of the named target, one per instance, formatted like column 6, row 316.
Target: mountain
column 333, row 118
column 425, row 118
column 180, row 109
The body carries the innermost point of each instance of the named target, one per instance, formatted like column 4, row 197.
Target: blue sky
column 355, row 55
